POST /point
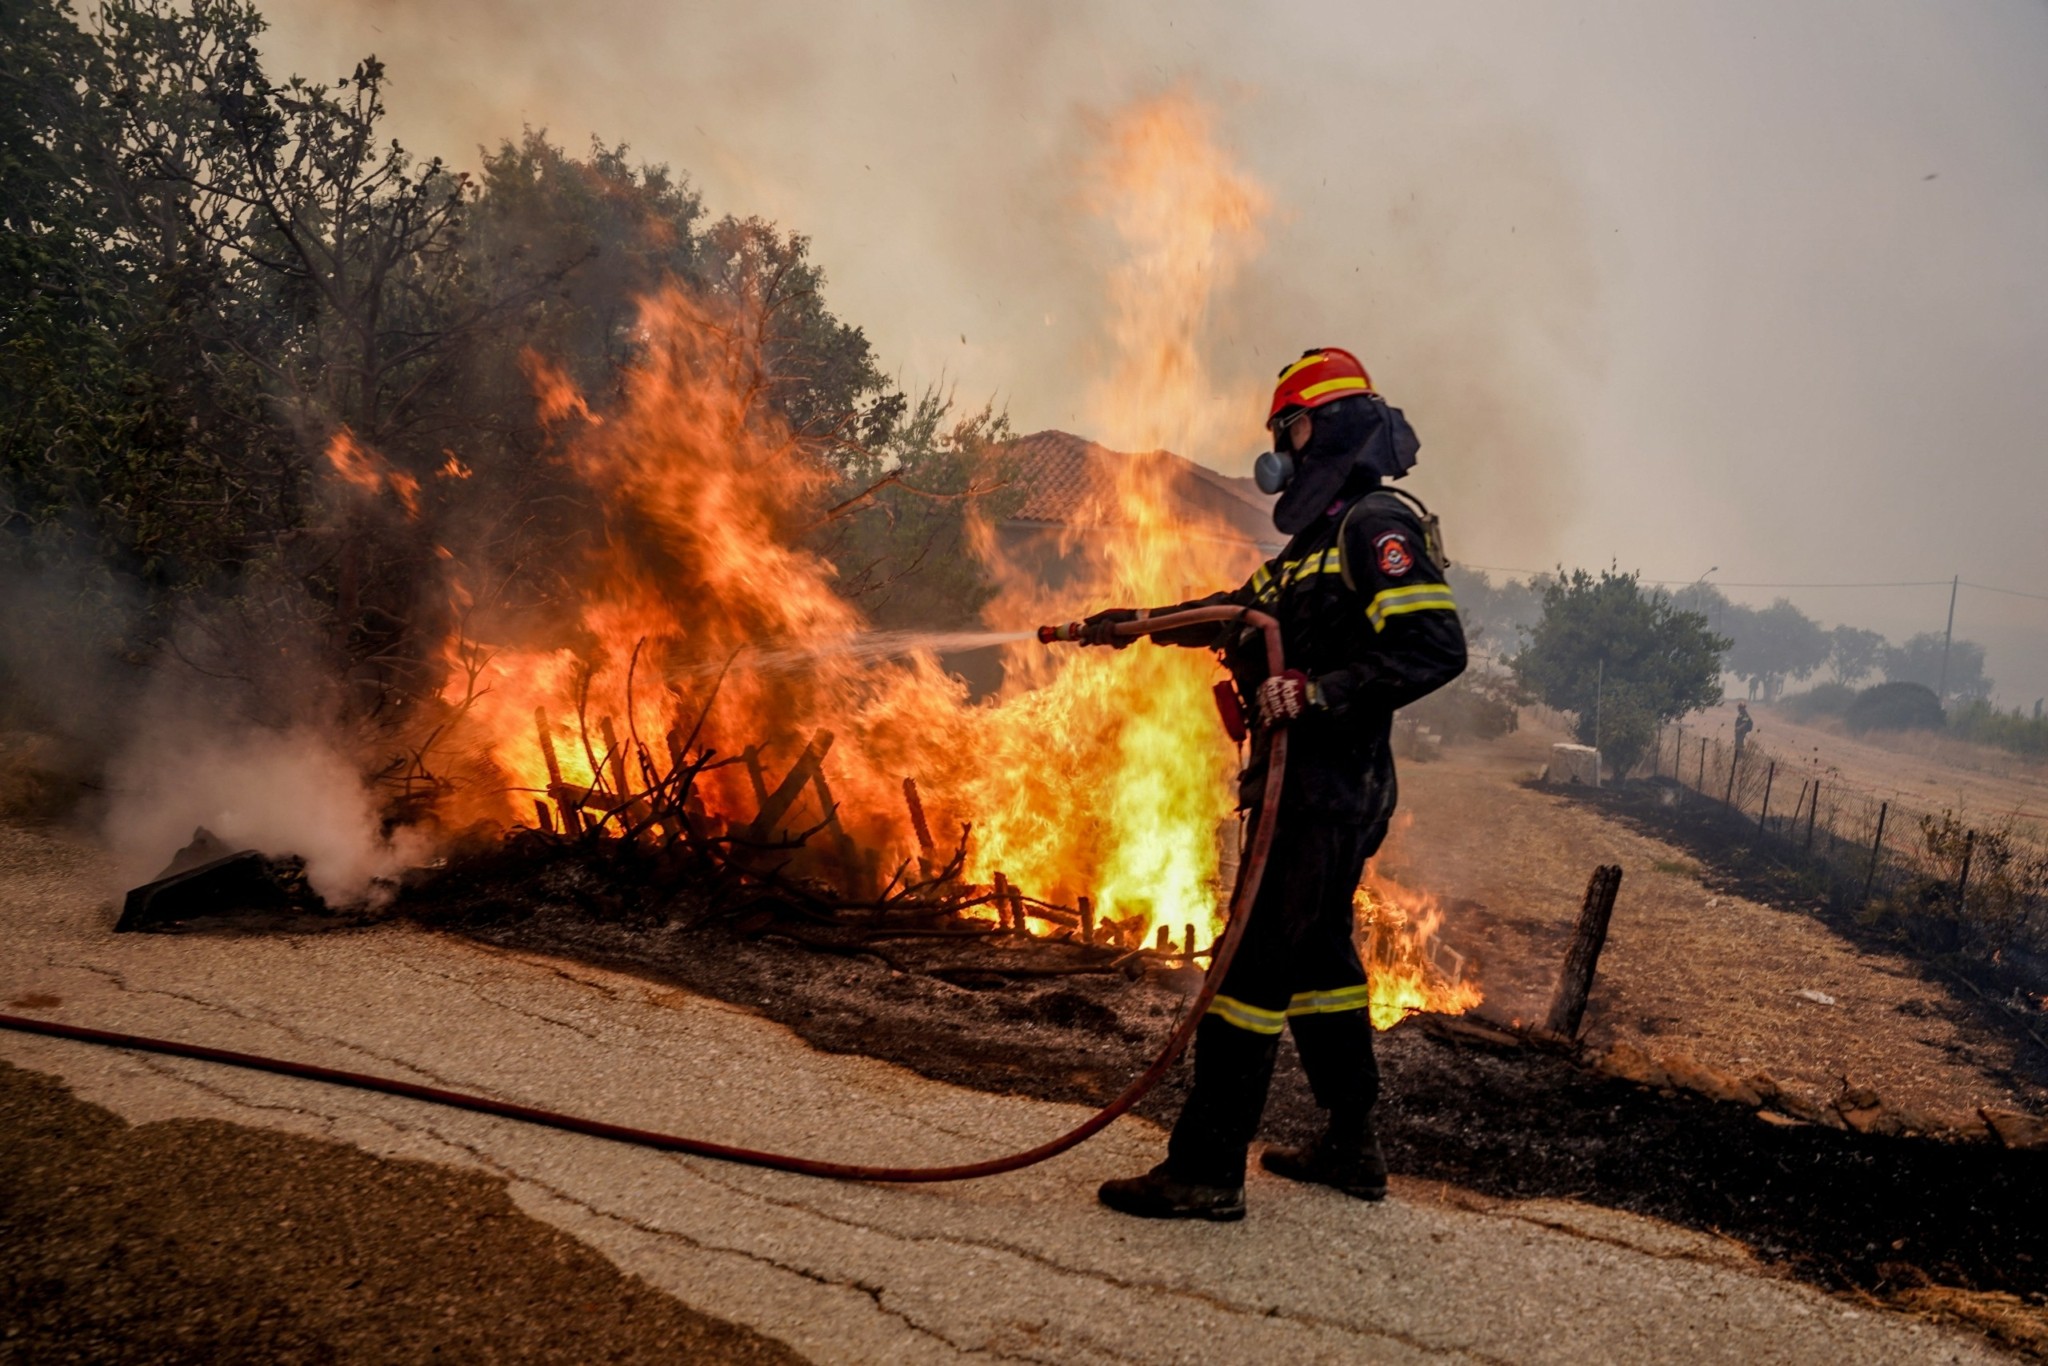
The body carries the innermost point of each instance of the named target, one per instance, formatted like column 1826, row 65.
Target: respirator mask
column 1273, row 471
column 1353, row 439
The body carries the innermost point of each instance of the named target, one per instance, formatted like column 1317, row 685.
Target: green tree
column 1620, row 660
column 1919, row 661
column 1773, row 644
column 1497, row 616
column 901, row 534
column 1855, row 654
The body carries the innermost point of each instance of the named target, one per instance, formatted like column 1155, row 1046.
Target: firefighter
column 1367, row 626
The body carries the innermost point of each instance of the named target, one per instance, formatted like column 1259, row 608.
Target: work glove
column 1100, row 629
column 1287, row 697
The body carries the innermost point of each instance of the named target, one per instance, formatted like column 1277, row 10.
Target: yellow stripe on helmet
column 1313, row 358
column 1331, row 386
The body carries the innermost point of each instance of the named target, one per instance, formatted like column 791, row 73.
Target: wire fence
column 1950, row 881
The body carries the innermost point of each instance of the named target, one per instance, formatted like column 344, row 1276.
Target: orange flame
column 555, row 395
column 1092, row 772
column 363, row 469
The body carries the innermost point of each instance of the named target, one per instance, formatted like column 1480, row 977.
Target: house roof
column 1070, row 481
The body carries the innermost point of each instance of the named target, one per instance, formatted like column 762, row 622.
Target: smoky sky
column 1753, row 286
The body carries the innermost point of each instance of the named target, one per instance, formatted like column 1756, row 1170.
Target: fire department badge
column 1394, row 556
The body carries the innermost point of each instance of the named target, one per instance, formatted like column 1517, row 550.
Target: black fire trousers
column 1297, row 968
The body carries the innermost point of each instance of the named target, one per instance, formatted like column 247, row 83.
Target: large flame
column 1096, row 772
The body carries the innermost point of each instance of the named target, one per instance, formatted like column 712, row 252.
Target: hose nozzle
column 1048, row 635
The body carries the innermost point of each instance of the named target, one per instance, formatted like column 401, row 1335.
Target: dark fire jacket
column 1388, row 638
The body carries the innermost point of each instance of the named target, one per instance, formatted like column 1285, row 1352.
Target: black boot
column 1347, row 1158
column 1158, row 1195
column 1203, row 1174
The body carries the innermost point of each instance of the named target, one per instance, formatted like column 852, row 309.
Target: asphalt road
column 1024, row 1267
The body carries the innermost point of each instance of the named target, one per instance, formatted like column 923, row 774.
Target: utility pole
column 1948, row 637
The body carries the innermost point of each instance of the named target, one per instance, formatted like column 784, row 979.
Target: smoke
column 146, row 737
column 933, row 155
column 286, row 792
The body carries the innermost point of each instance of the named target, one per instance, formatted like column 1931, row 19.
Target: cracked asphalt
column 1023, row 1267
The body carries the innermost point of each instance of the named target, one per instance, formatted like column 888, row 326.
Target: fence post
column 1733, row 759
column 1811, row 812
column 1568, row 1006
column 1798, row 806
column 1963, row 881
column 1770, row 776
column 1876, row 845
column 1703, row 765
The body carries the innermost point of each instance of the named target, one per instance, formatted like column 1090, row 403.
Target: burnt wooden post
column 1002, row 898
column 778, row 802
column 843, row 845
column 1086, row 906
column 1876, row 846
column 572, row 814
column 1770, row 776
column 1733, row 760
column 919, row 827
column 1568, row 1007
column 1703, row 766
column 1812, row 811
column 615, row 757
column 752, row 756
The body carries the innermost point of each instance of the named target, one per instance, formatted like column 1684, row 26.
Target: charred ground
column 1898, row 1218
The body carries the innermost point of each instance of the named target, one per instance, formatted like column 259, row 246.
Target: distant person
column 1743, row 726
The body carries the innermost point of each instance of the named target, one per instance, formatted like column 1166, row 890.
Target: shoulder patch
column 1392, row 554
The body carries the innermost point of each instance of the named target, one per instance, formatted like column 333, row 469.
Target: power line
column 1718, row 583
column 2009, row 592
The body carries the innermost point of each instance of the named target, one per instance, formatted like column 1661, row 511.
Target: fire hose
column 1250, row 871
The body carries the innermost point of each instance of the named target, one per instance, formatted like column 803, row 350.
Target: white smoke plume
column 282, row 792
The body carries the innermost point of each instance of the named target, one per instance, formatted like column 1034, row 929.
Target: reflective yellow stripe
column 1331, row 386
column 1329, row 561
column 1314, row 358
column 1416, row 597
column 1249, row 1017
column 1330, row 1002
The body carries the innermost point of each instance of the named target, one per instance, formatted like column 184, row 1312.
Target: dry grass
column 1687, row 970
column 1918, row 770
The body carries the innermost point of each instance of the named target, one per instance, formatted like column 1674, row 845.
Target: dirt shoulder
column 1690, row 968
column 1917, row 771
column 191, row 1240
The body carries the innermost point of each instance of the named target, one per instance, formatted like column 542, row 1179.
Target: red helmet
column 1322, row 375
